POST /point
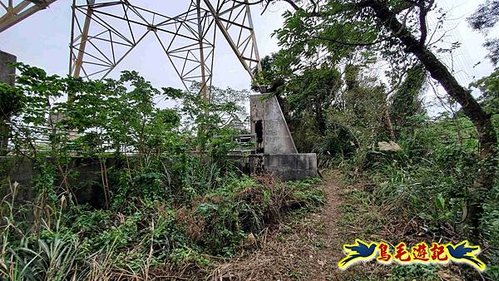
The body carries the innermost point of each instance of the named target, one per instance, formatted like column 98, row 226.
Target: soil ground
column 305, row 248
column 308, row 247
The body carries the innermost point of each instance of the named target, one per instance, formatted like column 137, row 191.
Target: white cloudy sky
column 42, row 40
column 471, row 51
column 468, row 63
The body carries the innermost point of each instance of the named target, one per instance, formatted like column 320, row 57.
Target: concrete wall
column 18, row 170
column 85, row 178
column 276, row 150
column 7, row 73
column 292, row 166
column 86, row 175
column 277, row 139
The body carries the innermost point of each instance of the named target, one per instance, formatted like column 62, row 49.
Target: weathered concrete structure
column 8, row 76
column 291, row 166
column 269, row 126
column 7, row 73
column 18, row 170
column 275, row 149
column 85, row 179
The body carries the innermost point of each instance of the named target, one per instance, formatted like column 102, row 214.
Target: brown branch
column 265, row 8
column 423, row 12
column 404, row 22
column 316, row 6
column 250, row 3
column 268, row 2
column 484, row 180
column 293, row 4
column 357, row 44
column 290, row 2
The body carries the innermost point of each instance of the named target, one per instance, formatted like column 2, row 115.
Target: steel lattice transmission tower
column 104, row 32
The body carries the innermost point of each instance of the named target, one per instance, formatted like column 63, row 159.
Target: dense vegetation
column 165, row 199
column 177, row 203
column 440, row 171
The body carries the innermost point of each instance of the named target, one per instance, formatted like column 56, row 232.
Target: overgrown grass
column 363, row 217
column 419, row 193
column 142, row 234
column 169, row 208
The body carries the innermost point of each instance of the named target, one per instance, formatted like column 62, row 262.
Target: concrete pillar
column 269, row 125
column 7, row 75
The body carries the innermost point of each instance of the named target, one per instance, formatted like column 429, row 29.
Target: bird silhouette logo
column 357, row 252
column 465, row 253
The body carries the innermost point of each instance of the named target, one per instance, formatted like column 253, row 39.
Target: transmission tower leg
column 76, row 68
column 204, row 86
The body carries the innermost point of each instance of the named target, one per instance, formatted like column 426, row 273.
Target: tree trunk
column 389, row 124
column 481, row 120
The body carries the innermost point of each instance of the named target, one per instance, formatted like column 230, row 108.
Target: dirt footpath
column 307, row 248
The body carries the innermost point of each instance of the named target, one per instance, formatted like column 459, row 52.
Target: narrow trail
column 307, row 248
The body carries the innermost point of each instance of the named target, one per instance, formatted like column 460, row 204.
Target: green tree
column 306, row 95
column 364, row 106
column 406, row 102
column 484, row 19
column 398, row 31
column 489, row 86
column 11, row 100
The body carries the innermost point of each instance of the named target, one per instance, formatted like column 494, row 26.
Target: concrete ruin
column 274, row 152
column 275, row 149
column 7, row 76
column 7, row 73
